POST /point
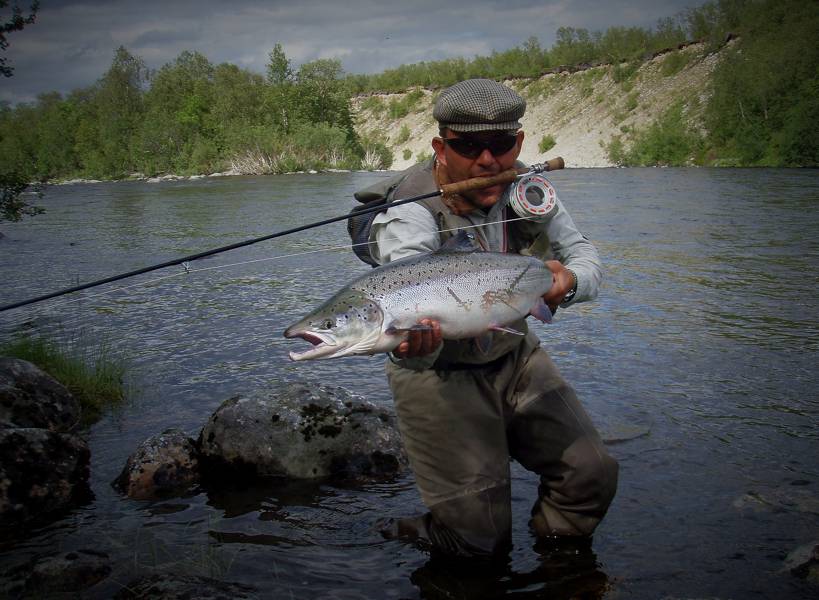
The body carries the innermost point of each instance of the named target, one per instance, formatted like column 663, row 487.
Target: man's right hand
column 420, row 342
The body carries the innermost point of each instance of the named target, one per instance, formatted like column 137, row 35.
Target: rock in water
column 41, row 472
column 299, row 430
column 29, row 397
column 163, row 464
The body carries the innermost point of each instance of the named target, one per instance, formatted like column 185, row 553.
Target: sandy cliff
column 582, row 111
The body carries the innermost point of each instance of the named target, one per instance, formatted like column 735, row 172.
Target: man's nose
column 486, row 159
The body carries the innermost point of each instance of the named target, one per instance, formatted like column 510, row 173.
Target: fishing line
column 507, row 176
column 188, row 270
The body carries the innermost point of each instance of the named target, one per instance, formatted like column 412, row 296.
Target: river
column 698, row 362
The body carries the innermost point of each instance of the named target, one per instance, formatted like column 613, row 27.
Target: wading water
column 696, row 363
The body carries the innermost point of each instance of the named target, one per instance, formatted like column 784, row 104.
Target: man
column 463, row 409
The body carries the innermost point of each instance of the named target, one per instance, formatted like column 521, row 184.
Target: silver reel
column 533, row 197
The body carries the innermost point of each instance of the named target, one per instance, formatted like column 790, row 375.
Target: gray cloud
column 72, row 43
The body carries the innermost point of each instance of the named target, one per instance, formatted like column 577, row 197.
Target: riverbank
column 228, row 173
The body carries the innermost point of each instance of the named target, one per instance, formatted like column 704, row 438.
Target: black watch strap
column 570, row 296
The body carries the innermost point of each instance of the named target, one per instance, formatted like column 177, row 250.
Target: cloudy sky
column 72, row 43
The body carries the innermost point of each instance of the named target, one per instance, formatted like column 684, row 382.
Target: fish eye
column 328, row 324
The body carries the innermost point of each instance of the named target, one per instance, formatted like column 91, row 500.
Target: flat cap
column 479, row 105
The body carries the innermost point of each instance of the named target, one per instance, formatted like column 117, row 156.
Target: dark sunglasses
column 473, row 148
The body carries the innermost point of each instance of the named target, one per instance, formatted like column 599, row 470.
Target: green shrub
column 668, row 141
column 547, row 142
column 674, row 63
column 616, row 150
column 374, row 104
column 376, row 153
column 401, row 108
column 423, row 156
column 407, row 154
column 623, row 72
column 631, row 101
column 90, row 374
column 403, row 135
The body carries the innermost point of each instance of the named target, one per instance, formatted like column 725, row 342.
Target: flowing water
column 698, row 363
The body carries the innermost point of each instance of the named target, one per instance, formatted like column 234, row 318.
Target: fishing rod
column 475, row 183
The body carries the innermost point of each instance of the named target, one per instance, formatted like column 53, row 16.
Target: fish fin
column 505, row 330
column 392, row 330
column 541, row 311
column 484, row 342
column 460, row 242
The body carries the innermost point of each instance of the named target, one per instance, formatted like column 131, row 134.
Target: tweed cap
column 479, row 105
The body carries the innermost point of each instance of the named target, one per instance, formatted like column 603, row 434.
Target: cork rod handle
column 477, row 183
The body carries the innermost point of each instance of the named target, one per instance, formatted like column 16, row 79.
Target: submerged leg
column 453, row 427
column 552, row 435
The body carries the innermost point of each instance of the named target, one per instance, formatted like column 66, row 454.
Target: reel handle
column 508, row 176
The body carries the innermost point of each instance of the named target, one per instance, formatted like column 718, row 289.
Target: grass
column 547, row 142
column 91, row 375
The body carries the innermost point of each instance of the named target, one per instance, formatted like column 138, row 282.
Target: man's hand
column 562, row 284
column 421, row 342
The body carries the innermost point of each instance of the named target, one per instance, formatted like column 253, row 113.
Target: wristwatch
column 570, row 296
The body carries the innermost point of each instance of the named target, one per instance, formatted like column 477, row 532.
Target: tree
column 279, row 101
column 14, row 178
column 119, row 109
column 15, row 23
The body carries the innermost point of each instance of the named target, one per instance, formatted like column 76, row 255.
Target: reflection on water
column 703, row 341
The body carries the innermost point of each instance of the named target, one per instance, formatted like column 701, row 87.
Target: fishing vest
column 521, row 235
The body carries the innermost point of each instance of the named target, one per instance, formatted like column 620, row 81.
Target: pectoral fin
column 541, row 311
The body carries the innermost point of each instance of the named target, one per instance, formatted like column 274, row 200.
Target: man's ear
column 520, row 137
column 438, row 146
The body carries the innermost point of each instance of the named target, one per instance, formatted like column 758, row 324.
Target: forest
column 193, row 116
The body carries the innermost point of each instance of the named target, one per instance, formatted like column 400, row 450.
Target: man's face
column 460, row 166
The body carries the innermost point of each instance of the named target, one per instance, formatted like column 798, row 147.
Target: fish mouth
column 323, row 344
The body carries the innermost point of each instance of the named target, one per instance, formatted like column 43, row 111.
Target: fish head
column 347, row 324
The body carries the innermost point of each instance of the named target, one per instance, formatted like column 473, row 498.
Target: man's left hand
column 562, row 284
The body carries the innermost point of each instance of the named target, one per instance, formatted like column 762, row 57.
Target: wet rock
column 29, row 397
column 163, row 464
column 184, row 587
column 804, row 562
column 41, row 472
column 57, row 575
column 304, row 431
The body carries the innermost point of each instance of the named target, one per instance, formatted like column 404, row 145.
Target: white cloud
column 72, row 43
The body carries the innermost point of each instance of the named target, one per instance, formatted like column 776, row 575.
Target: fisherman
column 464, row 408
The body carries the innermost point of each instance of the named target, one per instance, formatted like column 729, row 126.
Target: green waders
column 461, row 423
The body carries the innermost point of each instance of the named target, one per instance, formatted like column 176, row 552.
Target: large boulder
column 162, row 465
column 29, row 397
column 41, row 472
column 298, row 430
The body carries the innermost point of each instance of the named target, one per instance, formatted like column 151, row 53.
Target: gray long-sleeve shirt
column 411, row 229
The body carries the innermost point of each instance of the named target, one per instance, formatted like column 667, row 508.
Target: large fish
column 470, row 293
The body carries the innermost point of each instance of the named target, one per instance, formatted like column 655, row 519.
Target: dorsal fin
column 460, row 242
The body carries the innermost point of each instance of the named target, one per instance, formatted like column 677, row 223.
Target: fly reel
column 533, row 197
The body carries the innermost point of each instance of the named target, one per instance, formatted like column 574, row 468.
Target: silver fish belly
column 469, row 293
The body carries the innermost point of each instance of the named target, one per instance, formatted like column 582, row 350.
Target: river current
column 698, row 364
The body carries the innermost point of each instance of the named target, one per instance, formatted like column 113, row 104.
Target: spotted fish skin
column 468, row 293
